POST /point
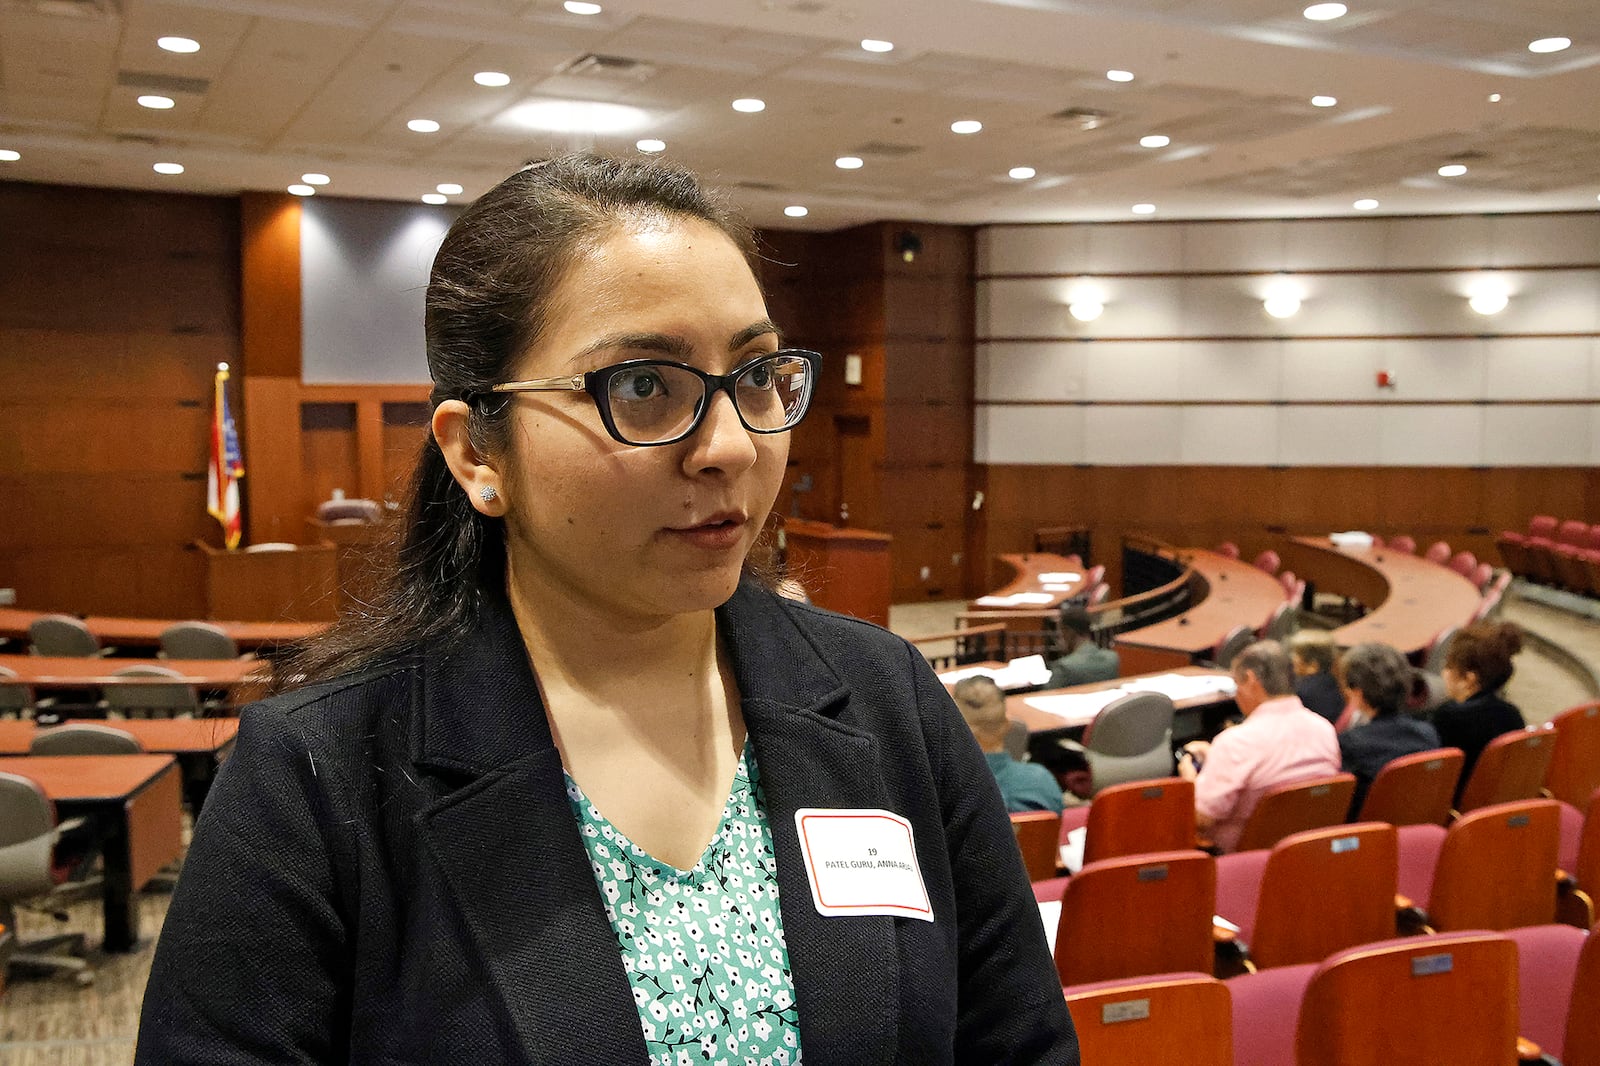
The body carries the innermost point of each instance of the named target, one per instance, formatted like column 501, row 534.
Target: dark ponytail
column 488, row 298
column 1485, row 649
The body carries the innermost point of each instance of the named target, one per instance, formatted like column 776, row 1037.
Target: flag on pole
column 227, row 465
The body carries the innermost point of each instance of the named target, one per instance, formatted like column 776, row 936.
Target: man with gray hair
column 1024, row 786
column 1279, row 742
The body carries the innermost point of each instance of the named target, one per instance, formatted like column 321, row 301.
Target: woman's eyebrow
column 752, row 331
column 669, row 344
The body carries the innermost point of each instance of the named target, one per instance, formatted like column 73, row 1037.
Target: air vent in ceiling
column 757, row 186
column 138, row 138
column 887, row 150
column 162, row 83
column 1083, row 118
column 609, row 68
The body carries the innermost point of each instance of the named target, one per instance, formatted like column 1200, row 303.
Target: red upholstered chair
column 1140, row 817
column 1571, row 567
column 1136, row 916
column 1317, row 892
column 1228, row 548
column 1463, row 563
column 1591, row 564
column 1438, row 552
column 1574, row 771
column 1268, row 561
column 1037, row 833
column 1402, row 543
column 1540, row 545
column 1512, row 767
column 1574, row 532
column 1446, row 999
column 1296, row 807
column 1266, row 1009
column 1497, row 869
column 1174, row 1018
column 1419, row 858
column 1547, row 966
column 1513, row 548
column 1482, row 576
column 1582, row 1045
column 1414, row 789
column 1543, row 525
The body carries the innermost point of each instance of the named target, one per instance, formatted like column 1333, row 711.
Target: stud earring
column 488, row 494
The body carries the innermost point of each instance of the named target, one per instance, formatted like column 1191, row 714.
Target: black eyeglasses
column 646, row 402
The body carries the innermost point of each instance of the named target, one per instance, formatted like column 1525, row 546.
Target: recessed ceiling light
column 435, row 198
column 422, row 125
column 796, row 211
column 1452, row 170
column 847, row 162
column 749, row 105
column 578, row 116
column 1119, row 75
column 315, row 179
column 182, row 45
column 650, row 144
column 1154, row 140
column 579, row 7
column 966, row 125
column 877, row 46
column 302, row 190
column 449, row 188
column 1325, row 12
column 1144, row 209
column 492, row 78
column 1368, row 204
column 156, row 103
column 168, row 168
column 10, row 155
column 1550, row 44
column 1495, row 98
column 1022, row 173
column 1324, row 101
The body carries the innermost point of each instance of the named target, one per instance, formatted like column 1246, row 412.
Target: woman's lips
column 717, row 533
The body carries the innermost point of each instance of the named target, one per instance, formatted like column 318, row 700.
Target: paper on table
column 1071, row 853
column 1078, row 708
column 1016, row 599
column 1026, row 672
column 1060, row 577
column 1181, row 686
column 1050, row 915
column 1053, row 587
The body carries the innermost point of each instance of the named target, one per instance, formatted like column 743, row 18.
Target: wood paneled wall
column 115, row 308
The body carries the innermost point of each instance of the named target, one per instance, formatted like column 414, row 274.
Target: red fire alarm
column 1385, row 380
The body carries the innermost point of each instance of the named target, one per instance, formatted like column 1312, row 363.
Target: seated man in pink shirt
column 1278, row 742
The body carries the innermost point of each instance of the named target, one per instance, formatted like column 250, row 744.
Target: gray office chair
column 16, row 698
column 1238, row 639
column 197, row 640
column 1129, row 740
column 1282, row 624
column 1439, row 651
column 84, row 738
column 363, row 511
column 62, row 634
column 28, row 836
column 1016, row 740
column 146, row 699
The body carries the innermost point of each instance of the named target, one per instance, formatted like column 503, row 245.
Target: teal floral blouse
column 703, row 948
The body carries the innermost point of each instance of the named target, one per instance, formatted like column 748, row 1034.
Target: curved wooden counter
column 1410, row 600
column 1236, row 593
column 1030, row 570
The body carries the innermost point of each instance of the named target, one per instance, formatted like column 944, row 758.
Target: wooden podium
column 294, row 585
column 844, row 570
column 359, row 551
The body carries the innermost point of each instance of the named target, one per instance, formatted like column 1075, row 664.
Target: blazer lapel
column 512, row 857
column 846, row 969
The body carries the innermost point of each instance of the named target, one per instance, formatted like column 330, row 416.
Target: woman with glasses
column 580, row 788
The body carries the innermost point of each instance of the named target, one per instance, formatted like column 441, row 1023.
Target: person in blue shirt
column 1024, row 786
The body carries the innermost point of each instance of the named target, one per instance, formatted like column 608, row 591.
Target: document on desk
column 1177, row 687
column 1059, row 577
column 1075, row 708
column 1016, row 599
column 1029, row 671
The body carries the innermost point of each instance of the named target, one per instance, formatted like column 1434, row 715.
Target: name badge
column 861, row 862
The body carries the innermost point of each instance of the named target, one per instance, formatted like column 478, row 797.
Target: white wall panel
column 1132, row 436
column 1029, row 434
column 1134, row 247
column 1134, row 370
column 1436, row 242
column 1230, row 370
column 1333, row 244
column 1428, row 303
column 1331, row 370
column 1228, row 436
column 1431, row 436
column 1549, row 301
column 1433, row 370
column 1054, row 371
column 1543, row 435
column 1244, row 246
column 1548, row 368
column 1031, row 249
column 1518, row 240
column 1336, row 435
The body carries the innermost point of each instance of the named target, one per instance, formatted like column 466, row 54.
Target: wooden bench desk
column 198, row 743
column 52, row 671
column 117, row 631
column 1236, row 593
column 1028, row 570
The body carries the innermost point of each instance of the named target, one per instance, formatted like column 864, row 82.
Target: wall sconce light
column 1282, row 299
column 908, row 244
column 1086, row 310
column 1488, row 303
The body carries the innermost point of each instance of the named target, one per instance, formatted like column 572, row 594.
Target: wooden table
column 1028, row 568
column 1236, row 593
column 133, row 801
column 1199, row 716
column 1410, row 599
column 146, row 632
column 199, row 744
column 51, row 671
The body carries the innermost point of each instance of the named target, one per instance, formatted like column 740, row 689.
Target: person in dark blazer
column 1376, row 680
column 1476, row 668
column 580, row 788
column 1315, row 656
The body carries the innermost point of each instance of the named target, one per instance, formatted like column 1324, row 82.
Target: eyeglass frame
column 596, row 382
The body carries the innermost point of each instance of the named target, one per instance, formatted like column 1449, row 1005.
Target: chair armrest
column 1529, row 1052
column 1071, row 745
column 69, row 826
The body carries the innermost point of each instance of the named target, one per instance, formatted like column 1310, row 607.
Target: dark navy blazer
column 388, row 871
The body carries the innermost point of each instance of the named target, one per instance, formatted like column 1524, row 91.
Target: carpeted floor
column 50, row 1021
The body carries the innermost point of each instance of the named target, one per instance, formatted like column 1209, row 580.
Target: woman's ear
column 476, row 476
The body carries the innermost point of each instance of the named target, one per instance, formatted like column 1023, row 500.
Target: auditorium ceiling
column 1221, row 94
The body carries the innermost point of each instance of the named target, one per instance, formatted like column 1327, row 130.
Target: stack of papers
column 1059, row 577
column 1182, row 686
column 1352, row 541
column 1026, row 672
column 1016, row 599
column 1079, row 708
